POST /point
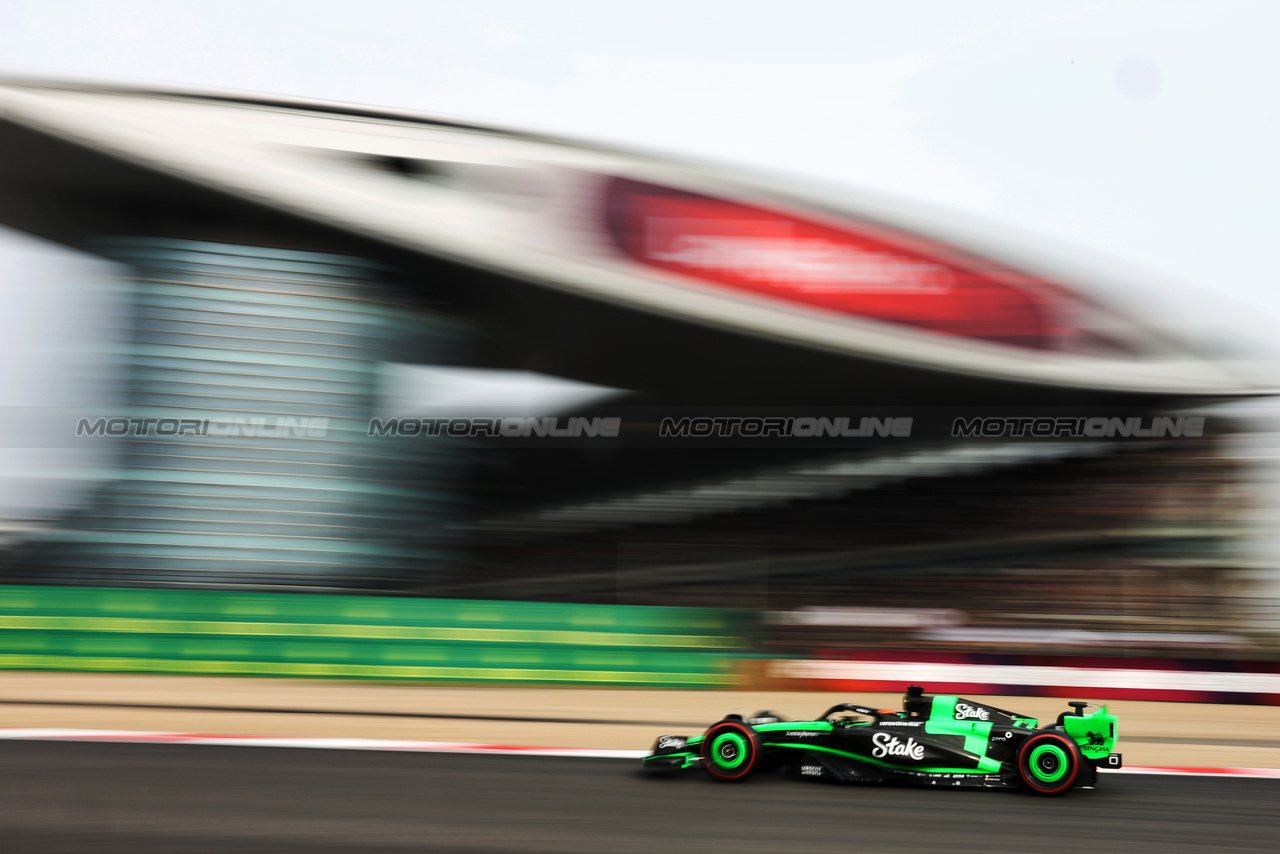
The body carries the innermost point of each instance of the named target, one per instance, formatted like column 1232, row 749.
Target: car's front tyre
column 731, row 751
column 1049, row 764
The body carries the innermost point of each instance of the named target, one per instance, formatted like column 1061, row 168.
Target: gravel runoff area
column 1159, row 734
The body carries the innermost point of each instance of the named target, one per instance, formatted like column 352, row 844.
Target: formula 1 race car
column 935, row 741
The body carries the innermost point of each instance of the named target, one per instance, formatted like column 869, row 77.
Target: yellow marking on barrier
column 482, row 616
column 303, row 651
column 592, row 618
column 112, row 643
column 599, row 659
column 512, row 657
column 248, row 608
column 129, row 603
column 367, row 612
column 26, row 641
column 373, row 632
column 203, row 648
column 393, row 653
column 312, row 669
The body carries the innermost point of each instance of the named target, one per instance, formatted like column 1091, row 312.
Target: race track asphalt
column 74, row 797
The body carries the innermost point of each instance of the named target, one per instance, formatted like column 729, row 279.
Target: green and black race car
column 935, row 741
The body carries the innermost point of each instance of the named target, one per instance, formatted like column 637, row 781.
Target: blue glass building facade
column 268, row 361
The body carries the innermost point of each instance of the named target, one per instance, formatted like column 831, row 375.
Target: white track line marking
column 1083, row 679
column 136, row 737
column 1199, row 772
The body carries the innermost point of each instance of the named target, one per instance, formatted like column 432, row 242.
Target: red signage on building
column 866, row 271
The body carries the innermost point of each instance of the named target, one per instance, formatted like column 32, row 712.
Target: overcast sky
column 1146, row 132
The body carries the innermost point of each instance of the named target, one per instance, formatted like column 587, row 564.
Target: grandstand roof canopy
column 685, row 281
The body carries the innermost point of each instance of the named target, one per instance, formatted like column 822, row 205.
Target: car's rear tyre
column 1049, row 764
column 731, row 751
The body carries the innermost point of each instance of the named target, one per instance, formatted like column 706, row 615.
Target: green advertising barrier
column 283, row 634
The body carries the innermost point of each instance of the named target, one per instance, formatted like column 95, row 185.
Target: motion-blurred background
column 276, row 373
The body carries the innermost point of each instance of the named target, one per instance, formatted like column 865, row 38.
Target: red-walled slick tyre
column 731, row 751
column 1049, row 763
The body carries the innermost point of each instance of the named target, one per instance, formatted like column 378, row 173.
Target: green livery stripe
column 795, row 726
column 689, row 758
column 686, row 754
column 976, row 734
column 985, row 766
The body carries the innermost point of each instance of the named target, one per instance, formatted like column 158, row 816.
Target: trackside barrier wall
column 1070, row 676
column 283, row 634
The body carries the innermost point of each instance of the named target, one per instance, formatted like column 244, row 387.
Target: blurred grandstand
column 289, row 261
